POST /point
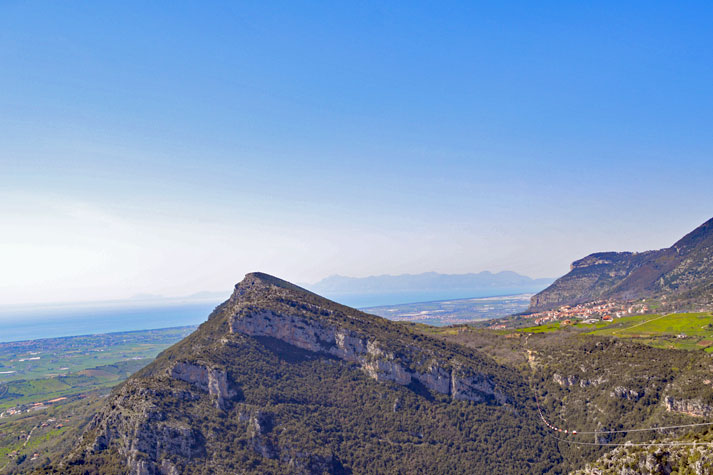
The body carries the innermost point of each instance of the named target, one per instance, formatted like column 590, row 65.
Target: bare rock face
column 692, row 407
column 314, row 335
column 469, row 386
column 626, row 393
column 211, row 380
column 565, row 381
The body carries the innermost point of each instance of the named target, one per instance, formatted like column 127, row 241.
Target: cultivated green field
column 37, row 359
column 26, row 392
column 554, row 326
column 50, row 388
column 40, row 370
column 689, row 331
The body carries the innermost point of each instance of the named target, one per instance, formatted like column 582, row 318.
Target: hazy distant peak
column 424, row 281
column 428, row 286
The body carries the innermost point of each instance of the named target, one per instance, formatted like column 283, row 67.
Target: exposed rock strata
column 225, row 380
column 313, row 335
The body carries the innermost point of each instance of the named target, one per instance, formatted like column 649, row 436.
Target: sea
column 366, row 301
column 23, row 324
column 19, row 324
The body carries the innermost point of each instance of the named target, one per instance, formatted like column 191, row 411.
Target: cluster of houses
column 590, row 312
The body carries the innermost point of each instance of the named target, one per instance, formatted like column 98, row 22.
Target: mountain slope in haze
column 280, row 380
column 407, row 288
column 683, row 273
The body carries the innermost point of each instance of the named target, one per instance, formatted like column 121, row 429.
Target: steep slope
column 280, row 380
column 683, row 273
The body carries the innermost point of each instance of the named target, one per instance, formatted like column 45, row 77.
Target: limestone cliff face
column 683, row 271
column 213, row 381
column 374, row 359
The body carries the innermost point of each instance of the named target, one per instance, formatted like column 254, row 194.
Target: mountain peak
column 260, row 282
column 702, row 235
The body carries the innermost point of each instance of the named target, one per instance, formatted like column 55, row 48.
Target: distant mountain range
column 407, row 288
column 680, row 275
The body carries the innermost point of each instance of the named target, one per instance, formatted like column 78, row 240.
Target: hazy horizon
column 204, row 295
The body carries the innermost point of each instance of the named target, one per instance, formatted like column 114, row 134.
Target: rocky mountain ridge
column 281, row 380
column 683, row 273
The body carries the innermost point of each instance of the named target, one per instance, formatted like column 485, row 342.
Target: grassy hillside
column 588, row 382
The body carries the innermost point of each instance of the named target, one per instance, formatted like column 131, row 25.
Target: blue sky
column 170, row 147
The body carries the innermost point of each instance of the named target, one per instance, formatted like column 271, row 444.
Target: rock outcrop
column 138, row 429
column 653, row 460
column 691, row 407
column 626, row 393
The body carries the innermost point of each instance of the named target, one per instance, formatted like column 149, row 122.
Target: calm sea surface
column 33, row 325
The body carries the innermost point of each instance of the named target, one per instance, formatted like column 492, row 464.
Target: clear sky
column 171, row 147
